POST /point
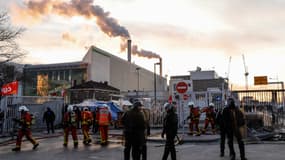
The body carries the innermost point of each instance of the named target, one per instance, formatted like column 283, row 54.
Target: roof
column 94, row 85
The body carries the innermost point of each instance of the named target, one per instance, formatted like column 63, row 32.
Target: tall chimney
column 129, row 50
column 160, row 66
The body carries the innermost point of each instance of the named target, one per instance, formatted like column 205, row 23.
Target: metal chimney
column 160, row 66
column 129, row 50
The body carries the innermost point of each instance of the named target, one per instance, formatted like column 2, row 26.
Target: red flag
column 9, row 88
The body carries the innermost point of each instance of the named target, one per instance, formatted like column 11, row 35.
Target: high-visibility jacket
column 70, row 119
column 104, row 117
column 210, row 113
column 195, row 113
column 86, row 118
column 26, row 120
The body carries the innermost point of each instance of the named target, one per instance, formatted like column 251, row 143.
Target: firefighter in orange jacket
column 103, row 118
column 25, row 122
column 69, row 124
column 86, row 122
column 210, row 117
column 194, row 118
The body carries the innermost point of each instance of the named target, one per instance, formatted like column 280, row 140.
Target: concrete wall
column 120, row 73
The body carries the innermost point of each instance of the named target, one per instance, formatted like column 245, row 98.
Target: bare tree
column 9, row 49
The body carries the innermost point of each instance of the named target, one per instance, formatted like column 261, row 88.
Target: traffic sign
column 185, row 97
column 181, row 87
column 260, row 80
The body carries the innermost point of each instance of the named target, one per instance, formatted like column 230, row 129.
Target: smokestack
column 160, row 66
column 129, row 50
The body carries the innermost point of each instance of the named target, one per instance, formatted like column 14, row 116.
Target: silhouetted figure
column 49, row 118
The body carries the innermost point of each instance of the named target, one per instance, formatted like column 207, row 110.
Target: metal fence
column 36, row 105
column 267, row 104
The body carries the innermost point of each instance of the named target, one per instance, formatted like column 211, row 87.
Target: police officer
column 134, row 131
column 234, row 120
column 170, row 127
column 221, row 125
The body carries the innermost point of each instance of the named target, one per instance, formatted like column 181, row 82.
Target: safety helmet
column 70, row 108
column 137, row 104
column 85, row 108
column 190, row 103
column 167, row 106
column 211, row 104
column 23, row 108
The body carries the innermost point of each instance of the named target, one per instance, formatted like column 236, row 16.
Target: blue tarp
column 113, row 108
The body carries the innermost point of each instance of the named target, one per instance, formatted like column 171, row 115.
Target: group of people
column 194, row 118
column 70, row 121
column 135, row 123
column 71, row 118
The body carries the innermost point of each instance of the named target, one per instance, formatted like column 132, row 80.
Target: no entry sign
column 181, row 87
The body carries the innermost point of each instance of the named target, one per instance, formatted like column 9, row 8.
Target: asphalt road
column 52, row 149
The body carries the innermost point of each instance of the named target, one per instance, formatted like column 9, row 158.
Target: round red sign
column 181, row 87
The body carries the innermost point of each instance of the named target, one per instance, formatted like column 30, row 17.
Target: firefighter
column 25, row 122
column 233, row 120
column 69, row 124
column 210, row 117
column 103, row 118
column 86, row 122
column 194, row 118
column 170, row 126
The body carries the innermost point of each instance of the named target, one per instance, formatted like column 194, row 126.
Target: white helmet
column 85, row 108
column 70, row 108
column 191, row 103
column 167, row 106
column 211, row 105
column 23, row 108
column 103, row 106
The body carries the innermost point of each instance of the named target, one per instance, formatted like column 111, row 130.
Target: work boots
column 16, row 149
column 35, row 146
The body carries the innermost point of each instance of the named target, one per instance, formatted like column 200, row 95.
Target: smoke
column 66, row 36
column 85, row 8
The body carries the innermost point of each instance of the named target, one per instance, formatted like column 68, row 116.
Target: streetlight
column 158, row 63
column 138, row 69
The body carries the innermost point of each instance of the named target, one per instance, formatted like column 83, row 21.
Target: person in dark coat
column 221, row 126
column 170, row 126
column 233, row 120
column 134, row 131
column 49, row 118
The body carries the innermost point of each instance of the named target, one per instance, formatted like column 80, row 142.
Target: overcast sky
column 185, row 33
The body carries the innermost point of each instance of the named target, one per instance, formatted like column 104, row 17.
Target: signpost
column 182, row 88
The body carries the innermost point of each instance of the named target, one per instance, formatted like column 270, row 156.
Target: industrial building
column 98, row 66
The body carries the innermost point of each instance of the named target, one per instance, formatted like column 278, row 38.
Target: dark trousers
column 238, row 136
column 50, row 126
column 135, row 143
column 169, row 147
column 223, row 140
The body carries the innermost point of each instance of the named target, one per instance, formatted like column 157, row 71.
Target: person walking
column 49, row 118
column 69, row 124
column 86, row 122
column 134, row 131
column 25, row 122
column 104, row 118
column 170, row 126
column 234, row 120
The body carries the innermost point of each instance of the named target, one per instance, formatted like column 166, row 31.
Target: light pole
column 155, row 82
column 138, row 70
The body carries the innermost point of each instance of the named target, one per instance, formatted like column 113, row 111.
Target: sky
column 214, row 35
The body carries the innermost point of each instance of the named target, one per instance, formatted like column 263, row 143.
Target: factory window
column 61, row 75
column 66, row 75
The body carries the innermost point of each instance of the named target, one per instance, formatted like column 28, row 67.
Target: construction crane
column 245, row 73
column 229, row 65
